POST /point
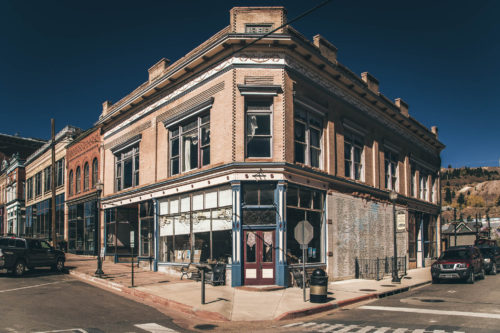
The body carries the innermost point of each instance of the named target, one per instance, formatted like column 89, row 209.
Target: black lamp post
column 393, row 195
column 99, row 271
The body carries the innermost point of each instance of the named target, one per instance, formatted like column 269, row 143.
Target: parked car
column 459, row 262
column 17, row 254
column 491, row 258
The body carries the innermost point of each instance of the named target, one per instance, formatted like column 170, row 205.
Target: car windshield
column 455, row 254
column 486, row 251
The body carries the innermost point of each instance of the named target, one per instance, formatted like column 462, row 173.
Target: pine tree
column 447, row 195
column 461, row 199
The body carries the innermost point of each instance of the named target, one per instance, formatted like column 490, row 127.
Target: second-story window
column 78, row 180
column 190, row 145
column 307, row 133
column 29, row 188
column 353, row 156
column 127, row 168
column 258, row 128
column 413, row 187
column 70, row 183
column 391, row 170
column 94, row 172
column 47, row 178
column 38, row 184
column 86, row 176
column 60, row 172
column 423, row 186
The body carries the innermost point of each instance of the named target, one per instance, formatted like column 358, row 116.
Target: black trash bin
column 319, row 286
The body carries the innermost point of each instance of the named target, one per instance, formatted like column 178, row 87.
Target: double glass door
column 259, row 260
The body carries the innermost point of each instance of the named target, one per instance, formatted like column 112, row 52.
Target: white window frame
column 309, row 113
column 269, row 112
column 391, row 180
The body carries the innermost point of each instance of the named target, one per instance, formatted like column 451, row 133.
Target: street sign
column 303, row 232
column 132, row 239
column 102, row 252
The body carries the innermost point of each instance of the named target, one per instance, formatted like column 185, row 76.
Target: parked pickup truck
column 17, row 254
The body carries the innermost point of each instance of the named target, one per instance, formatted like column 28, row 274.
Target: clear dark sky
column 62, row 59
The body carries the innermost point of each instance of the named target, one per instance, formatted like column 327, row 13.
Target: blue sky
column 62, row 59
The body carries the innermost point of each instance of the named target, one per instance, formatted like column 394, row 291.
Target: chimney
column 370, row 81
column 327, row 49
column 434, row 131
column 257, row 20
column 403, row 106
column 157, row 69
column 105, row 107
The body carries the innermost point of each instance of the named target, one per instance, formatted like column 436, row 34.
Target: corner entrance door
column 259, row 257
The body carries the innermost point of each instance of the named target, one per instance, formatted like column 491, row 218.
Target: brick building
column 82, row 173
column 222, row 153
column 13, row 152
column 39, row 188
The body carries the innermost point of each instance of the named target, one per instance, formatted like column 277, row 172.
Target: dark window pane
column 267, row 246
column 263, row 124
column 300, row 132
column 314, row 121
column 300, row 152
column 175, row 147
column 205, row 136
column 127, row 173
column 251, row 194
column 175, row 166
column 205, row 152
column 292, row 198
column 347, row 168
column 267, row 194
column 315, row 154
column 259, row 147
column 190, row 126
column 317, row 198
column 315, row 137
column 305, row 198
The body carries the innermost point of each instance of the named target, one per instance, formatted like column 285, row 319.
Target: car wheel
column 19, row 268
column 482, row 275
column 59, row 266
column 471, row 277
column 493, row 270
column 435, row 281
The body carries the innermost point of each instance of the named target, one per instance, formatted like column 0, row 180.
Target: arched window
column 86, row 177
column 94, row 172
column 70, row 185
column 78, row 180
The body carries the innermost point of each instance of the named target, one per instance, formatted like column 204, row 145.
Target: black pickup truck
column 17, row 254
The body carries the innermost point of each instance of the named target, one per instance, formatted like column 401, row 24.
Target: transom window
column 353, row 156
column 190, row 145
column 127, row 168
column 258, row 128
column 307, row 133
column 391, row 170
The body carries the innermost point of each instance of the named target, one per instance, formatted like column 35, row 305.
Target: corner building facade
column 219, row 156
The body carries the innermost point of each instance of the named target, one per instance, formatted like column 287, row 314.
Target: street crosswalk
column 345, row 328
column 148, row 327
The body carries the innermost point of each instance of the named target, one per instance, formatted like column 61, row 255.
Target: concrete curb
column 215, row 316
column 143, row 296
column 331, row 306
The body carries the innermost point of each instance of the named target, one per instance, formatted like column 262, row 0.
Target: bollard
column 318, row 286
column 202, row 286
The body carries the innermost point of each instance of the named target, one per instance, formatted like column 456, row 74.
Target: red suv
column 458, row 262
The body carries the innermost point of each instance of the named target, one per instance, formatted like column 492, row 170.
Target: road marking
column 382, row 330
column 307, row 324
column 364, row 329
column 331, row 328
column 293, row 324
column 155, row 328
column 431, row 311
column 400, row 330
column 71, row 330
column 35, row 286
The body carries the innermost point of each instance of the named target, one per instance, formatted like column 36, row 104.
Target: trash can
column 318, row 286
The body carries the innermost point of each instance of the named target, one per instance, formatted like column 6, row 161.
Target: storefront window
column 82, row 232
column 196, row 227
column 146, row 211
column 305, row 204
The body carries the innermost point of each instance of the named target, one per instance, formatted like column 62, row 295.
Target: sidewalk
column 225, row 303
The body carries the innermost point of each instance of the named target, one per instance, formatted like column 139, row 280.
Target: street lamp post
column 395, row 277
column 99, row 272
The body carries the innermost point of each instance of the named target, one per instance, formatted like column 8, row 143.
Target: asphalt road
column 445, row 307
column 47, row 302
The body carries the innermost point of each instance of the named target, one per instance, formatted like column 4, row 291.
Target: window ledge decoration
column 259, row 90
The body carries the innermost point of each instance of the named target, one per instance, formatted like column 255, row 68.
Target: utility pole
column 455, row 223
column 53, row 183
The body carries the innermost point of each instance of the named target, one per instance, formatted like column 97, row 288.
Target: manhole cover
column 427, row 300
column 367, row 289
column 388, row 285
column 205, row 327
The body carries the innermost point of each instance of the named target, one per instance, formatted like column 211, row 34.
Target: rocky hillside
column 471, row 191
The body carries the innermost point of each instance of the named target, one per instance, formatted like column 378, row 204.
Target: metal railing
column 377, row 268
